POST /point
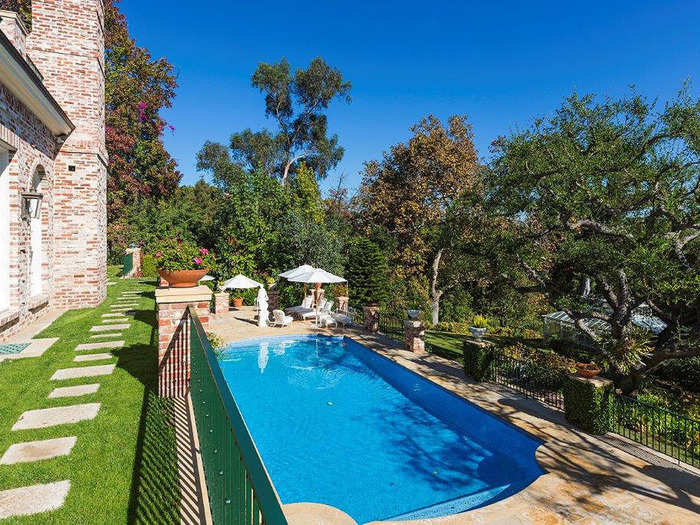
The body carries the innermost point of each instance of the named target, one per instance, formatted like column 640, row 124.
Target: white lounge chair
column 345, row 319
column 281, row 320
column 326, row 320
column 305, row 307
column 325, row 309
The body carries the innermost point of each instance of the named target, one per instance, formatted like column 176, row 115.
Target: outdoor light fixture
column 31, row 204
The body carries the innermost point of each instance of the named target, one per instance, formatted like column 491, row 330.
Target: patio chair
column 303, row 308
column 345, row 319
column 326, row 320
column 326, row 307
column 281, row 320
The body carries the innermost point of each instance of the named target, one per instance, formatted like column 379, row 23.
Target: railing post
column 221, row 302
column 414, row 335
column 173, row 335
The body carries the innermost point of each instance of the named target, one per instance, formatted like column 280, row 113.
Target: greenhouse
column 558, row 325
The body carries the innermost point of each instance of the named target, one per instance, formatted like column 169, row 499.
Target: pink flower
column 142, row 105
column 197, row 260
column 204, row 251
column 171, row 127
column 159, row 254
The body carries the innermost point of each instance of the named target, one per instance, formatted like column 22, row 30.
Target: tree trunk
column 435, row 294
column 435, row 308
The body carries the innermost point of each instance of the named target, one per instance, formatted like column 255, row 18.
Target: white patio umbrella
column 240, row 281
column 316, row 275
column 207, row 278
column 297, row 271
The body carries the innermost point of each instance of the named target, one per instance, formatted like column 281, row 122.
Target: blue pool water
column 336, row 423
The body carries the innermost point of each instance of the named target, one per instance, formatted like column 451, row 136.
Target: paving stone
column 92, row 357
column 37, row 450
column 49, row 417
column 106, row 336
column 83, row 371
column 33, row 499
column 116, row 320
column 106, row 328
column 123, row 305
column 114, row 314
column 74, row 391
column 99, row 346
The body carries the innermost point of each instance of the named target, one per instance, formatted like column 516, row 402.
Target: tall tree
column 409, row 193
column 297, row 103
column 605, row 195
column 137, row 88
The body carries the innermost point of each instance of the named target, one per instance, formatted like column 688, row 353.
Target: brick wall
column 67, row 45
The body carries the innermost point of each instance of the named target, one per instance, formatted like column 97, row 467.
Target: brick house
column 52, row 154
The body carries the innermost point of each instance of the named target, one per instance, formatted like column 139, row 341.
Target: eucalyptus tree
column 604, row 195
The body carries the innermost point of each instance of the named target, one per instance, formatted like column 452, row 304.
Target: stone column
column 273, row 300
column 221, row 303
column 587, row 403
column 136, row 262
column 173, row 335
column 478, row 355
column 414, row 335
column 342, row 303
column 371, row 318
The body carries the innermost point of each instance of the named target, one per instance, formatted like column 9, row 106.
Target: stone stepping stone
column 50, row 417
column 74, row 391
column 106, row 328
column 99, row 346
column 33, row 499
column 92, row 357
column 123, row 310
column 105, row 336
column 114, row 314
column 83, row 371
column 38, row 450
column 123, row 304
column 116, row 320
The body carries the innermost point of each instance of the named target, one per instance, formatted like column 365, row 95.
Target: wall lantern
column 31, row 204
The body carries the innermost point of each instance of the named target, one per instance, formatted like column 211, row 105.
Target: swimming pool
column 339, row 424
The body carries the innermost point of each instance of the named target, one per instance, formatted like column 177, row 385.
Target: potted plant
column 238, row 302
column 479, row 326
column 181, row 263
column 413, row 314
column 587, row 370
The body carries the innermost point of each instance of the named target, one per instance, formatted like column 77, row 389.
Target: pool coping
column 585, row 480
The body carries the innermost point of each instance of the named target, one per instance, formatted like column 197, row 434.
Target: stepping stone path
column 39, row 498
column 99, row 346
column 38, row 450
column 33, row 499
column 49, row 417
column 105, row 336
column 83, row 371
column 106, row 328
column 74, row 391
column 92, row 357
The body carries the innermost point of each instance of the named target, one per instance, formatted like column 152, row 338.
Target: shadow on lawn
column 154, row 494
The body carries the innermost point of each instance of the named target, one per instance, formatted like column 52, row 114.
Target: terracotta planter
column 237, row 302
column 182, row 278
column 587, row 370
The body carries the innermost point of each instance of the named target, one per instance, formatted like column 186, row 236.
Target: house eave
column 23, row 82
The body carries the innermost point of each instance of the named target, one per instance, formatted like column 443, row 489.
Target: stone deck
column 586, row 480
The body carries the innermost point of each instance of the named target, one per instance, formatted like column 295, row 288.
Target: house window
column 4, row 230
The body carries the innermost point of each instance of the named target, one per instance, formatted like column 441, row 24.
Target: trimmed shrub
column 477, row 359
column 587, row 405
column 149, row 269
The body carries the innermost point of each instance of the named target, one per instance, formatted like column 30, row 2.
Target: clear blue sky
column 501, row 63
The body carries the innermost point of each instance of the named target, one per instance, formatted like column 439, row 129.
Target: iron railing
column 391, row 326
column 240, row 489
column 529, row 378
column 673, row 434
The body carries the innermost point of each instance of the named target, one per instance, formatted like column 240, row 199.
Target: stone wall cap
column 410, row 323
column 183, row 295
column 599, row 382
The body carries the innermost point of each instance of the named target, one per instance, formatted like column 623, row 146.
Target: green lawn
column 446, row 344
column 123, row 466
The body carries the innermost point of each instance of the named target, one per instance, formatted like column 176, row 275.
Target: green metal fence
column 240, row 490
column 670, row 433
column 128, row 263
